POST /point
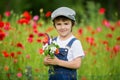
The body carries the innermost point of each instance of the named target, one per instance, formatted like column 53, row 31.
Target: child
column 70, row 53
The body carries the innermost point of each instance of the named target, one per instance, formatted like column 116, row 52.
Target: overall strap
column 54, row 39
column 71, row 42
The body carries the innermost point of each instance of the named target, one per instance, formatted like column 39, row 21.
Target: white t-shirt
column 76, row 49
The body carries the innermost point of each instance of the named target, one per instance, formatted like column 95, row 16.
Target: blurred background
column 81, row 6
column 24, row 23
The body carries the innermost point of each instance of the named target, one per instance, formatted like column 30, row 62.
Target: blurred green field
column 22, row 36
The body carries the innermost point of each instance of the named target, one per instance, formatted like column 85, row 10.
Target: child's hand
column 51, row 61
column 46, row 61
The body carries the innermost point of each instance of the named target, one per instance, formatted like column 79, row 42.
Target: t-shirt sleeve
column 77, row 49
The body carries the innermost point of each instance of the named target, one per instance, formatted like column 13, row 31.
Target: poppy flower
column 19, row 52
column 20, row 45
column 90, row 40
column 7, row 26
column 12, row 54
column 48, row 14
column 30, row 39
column 45, row 40
column 7, row 13
column 19, row 74
column 38, row 40
column 118, row 38
column 40, row 34
column 41, row 51
column 5, row 54
column 31, row 35
column 102, row 10
column 116, row 49
column 27, row 15
column 80, row 31
column 35, row 18
column 35, row 31
column 1, row 24
column 2, row 35
column 109, row 35
column 106, row 23
column 105, row 42
column 23, row 21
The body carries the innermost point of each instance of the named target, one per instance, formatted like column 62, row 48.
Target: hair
column 63, row 18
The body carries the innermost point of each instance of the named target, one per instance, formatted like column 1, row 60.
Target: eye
column 58, row 23
column 66, row 23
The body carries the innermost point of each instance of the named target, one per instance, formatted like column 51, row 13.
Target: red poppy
column 35, row 31
column 41, row 51
column 48, row 14
column 45, row 40
column 118, row 38
column 116, row 49
column 112, row 28
column 105, row 42
column 19, row 52
column 31, row 35
column 106, row 23
column 41, row 34
column 7, row 13
column 90, row 40
column 23, row 21
column 5, row 54
column 12, row 54
column 2, row 35
column 27, row 15
column 20, row 45
column 38, row 40
column 7, row 26
column 1, row 24
column 109, row 35
column 102, row 10
column 30, row 39
column 80, row 31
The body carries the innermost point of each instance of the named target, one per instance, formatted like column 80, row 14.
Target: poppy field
column 22, row 37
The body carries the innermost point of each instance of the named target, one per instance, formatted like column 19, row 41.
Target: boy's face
column 63, row 27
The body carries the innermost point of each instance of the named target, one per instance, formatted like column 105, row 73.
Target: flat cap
column 63, row 11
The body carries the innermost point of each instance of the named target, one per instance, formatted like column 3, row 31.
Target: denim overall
column 62, row 73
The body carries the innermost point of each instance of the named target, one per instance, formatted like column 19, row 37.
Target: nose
column 62, row 26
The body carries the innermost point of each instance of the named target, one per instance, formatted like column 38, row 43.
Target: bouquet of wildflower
column 51, row 49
